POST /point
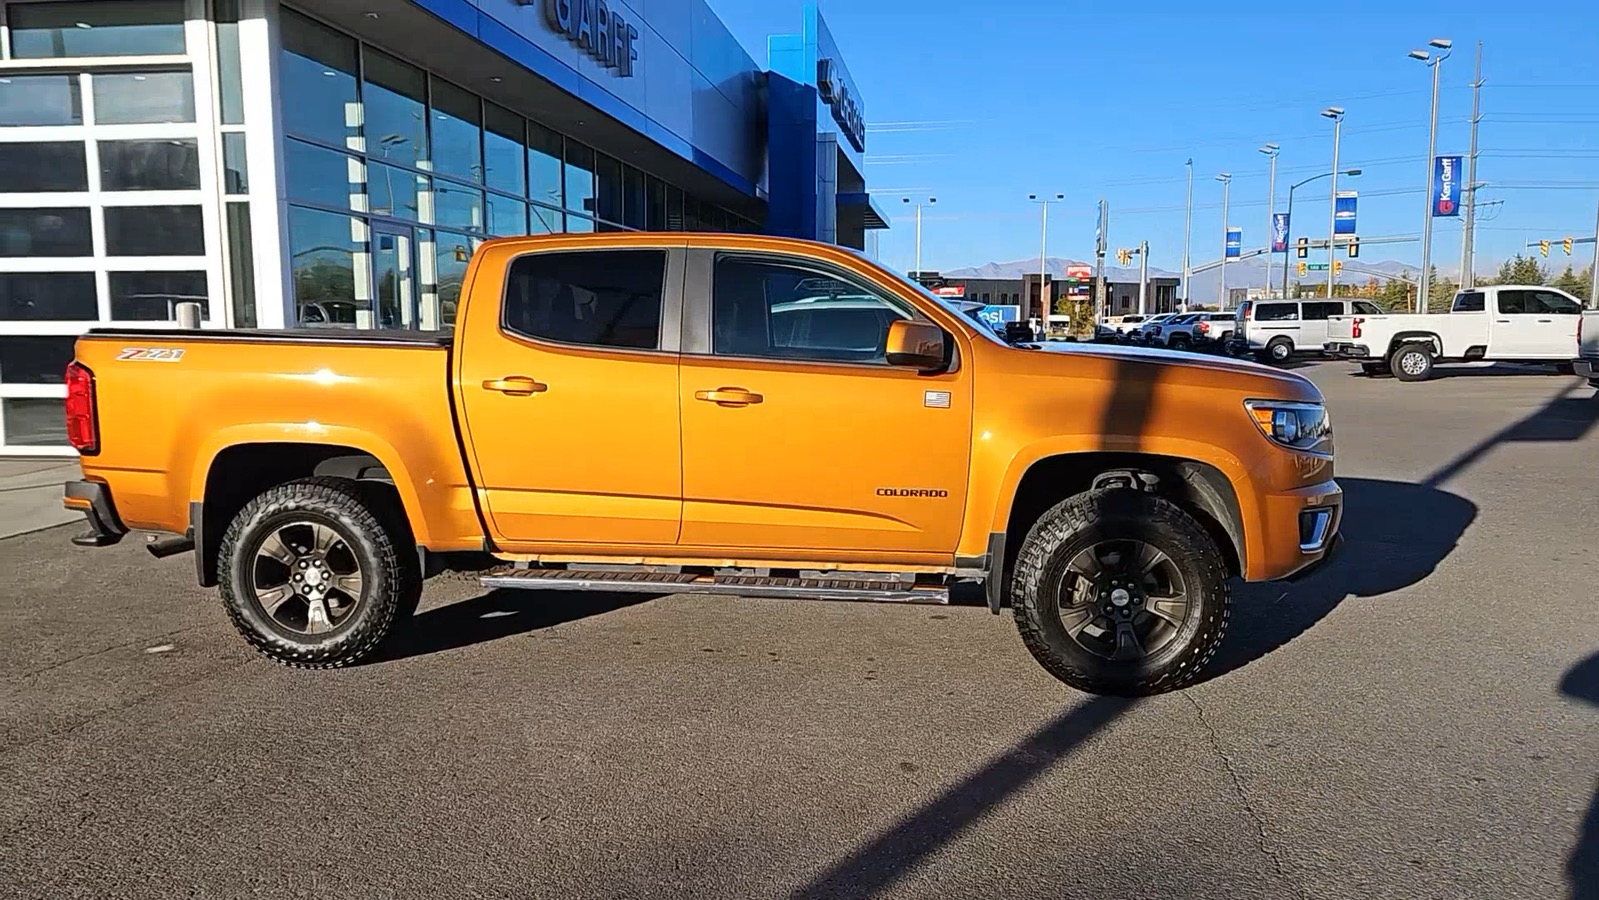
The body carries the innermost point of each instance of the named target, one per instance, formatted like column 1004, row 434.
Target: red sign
column 1081, row 273
column 955, row 291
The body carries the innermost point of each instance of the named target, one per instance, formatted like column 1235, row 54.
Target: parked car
column 1501, row 323
column 1125, row 325
column 1199, row 331
column 319, row 475
column 1277, row 330
column 1148, row 330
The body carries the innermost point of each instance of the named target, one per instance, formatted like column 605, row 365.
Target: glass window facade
column 97, row 28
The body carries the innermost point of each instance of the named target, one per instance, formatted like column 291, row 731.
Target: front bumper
column 1300, row 530
column 93, row 499
column 1343, row 350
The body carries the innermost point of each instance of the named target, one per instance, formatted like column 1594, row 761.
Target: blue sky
column 1089, row 99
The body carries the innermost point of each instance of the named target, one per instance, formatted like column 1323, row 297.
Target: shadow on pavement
column 499, row 614
column 1395, row 535
column 1563, row 418
column 904, row 845
column 1582, row 683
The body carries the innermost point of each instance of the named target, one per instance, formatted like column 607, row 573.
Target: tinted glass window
column 1550, row 303
column 457, row 130
column 1514, row 303
column 545, row 220
column 457, row 206
column 40, row 100
column 579, row 177
column 1367, row 308
column 48, row 296
column 235, row 172
column 35, row 360
column 164, row 165
column 154, row 296
column 317, row 68
column 241, row 265
column 325, row 250
column 1470, row 302
column 1319, row 311
column 608, row 178
column 154, row 231
column 1276, row 312
column 139, row 98
column 328, row 178
column 544, row 153
column 503, row 147
column 43, row 167
column 779, row 310
column 506, row 216
column 609, row 298
column 45, row 232
column 451, row 254
column 35, row 421
column 98, row 28
column 396, row 121
column 395, row 192
column 634, row 206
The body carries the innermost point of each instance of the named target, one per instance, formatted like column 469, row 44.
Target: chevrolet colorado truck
column 1497, row 323
column 706, row 414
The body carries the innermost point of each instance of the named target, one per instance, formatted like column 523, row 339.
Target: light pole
column 1434, row 62
column 1288, row 238
column 930, row 202
column 1336, row 113
column 1226, row 186
column 1188, row 232
column 1043, row 255
column 1271, row 151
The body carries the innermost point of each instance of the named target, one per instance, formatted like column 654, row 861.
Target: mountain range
column 1207, row 285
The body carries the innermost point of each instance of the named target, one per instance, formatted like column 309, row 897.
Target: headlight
column 1300, row 426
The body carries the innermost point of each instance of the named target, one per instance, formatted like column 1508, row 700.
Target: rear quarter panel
column 163, row 422
column 1589, row 345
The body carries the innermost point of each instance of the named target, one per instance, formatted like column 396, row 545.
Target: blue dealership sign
column 1344, row 213
column 997, row 316
column 1446, row 186
column 1279, row 232
column 1235, row 242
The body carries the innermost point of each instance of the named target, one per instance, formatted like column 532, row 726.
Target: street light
column 1043, row 254
column 1226, row 186
column 1288, row 238
column 1434, row 62
column 930, row 201
column 1336, row 113
column 1271, row 151
column 1188, row 232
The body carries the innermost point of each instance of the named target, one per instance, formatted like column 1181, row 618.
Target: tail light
column 83, row 424
column 1355, row 332
column 1204, row 328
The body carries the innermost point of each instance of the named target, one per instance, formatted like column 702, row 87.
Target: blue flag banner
column 1344, row 213
column 1235, row 242
column 1446, row 186
column 1279, row 232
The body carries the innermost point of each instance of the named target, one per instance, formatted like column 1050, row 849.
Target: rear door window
column 1277, row 312
column 1471, row 301
column 1367, row 308
column 595, row 298
column 1319, row 311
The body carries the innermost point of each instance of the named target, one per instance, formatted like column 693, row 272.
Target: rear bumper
column 1300, row 530
column 1587, row 368
column 93, row 499
column 1344, row 350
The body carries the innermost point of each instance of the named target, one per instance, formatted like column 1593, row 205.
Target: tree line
column 1399, row 294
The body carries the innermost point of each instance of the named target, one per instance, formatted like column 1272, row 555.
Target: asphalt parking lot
column 1420, row 719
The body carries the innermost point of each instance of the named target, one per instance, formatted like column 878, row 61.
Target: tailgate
column 1341, row 328
column 1588, row 334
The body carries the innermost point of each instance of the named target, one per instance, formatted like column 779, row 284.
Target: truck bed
column 342, row 336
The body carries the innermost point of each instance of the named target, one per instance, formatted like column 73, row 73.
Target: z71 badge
column 151, row 354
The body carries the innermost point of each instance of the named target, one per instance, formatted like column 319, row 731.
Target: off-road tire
column 1180, row 342
column 1278, row 352
column 371, row 523
column 1406, row 353
column 1119, row 513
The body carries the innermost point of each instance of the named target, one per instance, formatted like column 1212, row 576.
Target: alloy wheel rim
column 306, row 577
column 1413, row 363
column 1123, row 600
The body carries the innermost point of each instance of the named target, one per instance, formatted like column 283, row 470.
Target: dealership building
column 335, row 162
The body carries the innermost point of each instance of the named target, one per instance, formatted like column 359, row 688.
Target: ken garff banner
column 1446, row 186
column 1279, row 232
column 1344, row 213
column 1235, row 242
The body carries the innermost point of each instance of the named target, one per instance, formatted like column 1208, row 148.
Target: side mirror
column 915, row 345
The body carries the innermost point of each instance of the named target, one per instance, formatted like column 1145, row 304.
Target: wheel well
column 241, row 473
column 1199, row 488
column 1415, row 337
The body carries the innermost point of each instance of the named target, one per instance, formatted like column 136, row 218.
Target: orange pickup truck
column 707, row 414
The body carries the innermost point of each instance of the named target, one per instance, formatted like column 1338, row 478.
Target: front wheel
column 315, row 573
column 1279, row 351
column 1120, row 592
column 1412, row 362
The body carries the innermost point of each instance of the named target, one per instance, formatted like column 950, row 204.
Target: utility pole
column 1226, row 186
column 1593, row 273
column 1043, row 257
column 1143, row 274
column 1336, row 113
column 1271, row 150
column 1468, row 275
column 1099, row 260
column 1188, row 234
column 930, row 200
column 1434, row 62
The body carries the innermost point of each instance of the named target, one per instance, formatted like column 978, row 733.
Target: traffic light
column 1304, row 248
column 1338, row 266
column 1354, row 248
column 1567, row 243
column 1302, row 270
column 1124, row 256
column 1543, row 248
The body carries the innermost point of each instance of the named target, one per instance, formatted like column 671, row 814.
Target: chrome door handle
column 1545, row 321
column 516, row 386
column 1502, row 321
column 729, row 396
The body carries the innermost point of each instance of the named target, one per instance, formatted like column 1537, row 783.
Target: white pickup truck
column 1587, row 363
column 1500, row 323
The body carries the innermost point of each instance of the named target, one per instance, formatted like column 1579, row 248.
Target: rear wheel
column 1411, row 362
column 1278, row 351
column 1179, row 342
column 315, row 573
column 1120, row 592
